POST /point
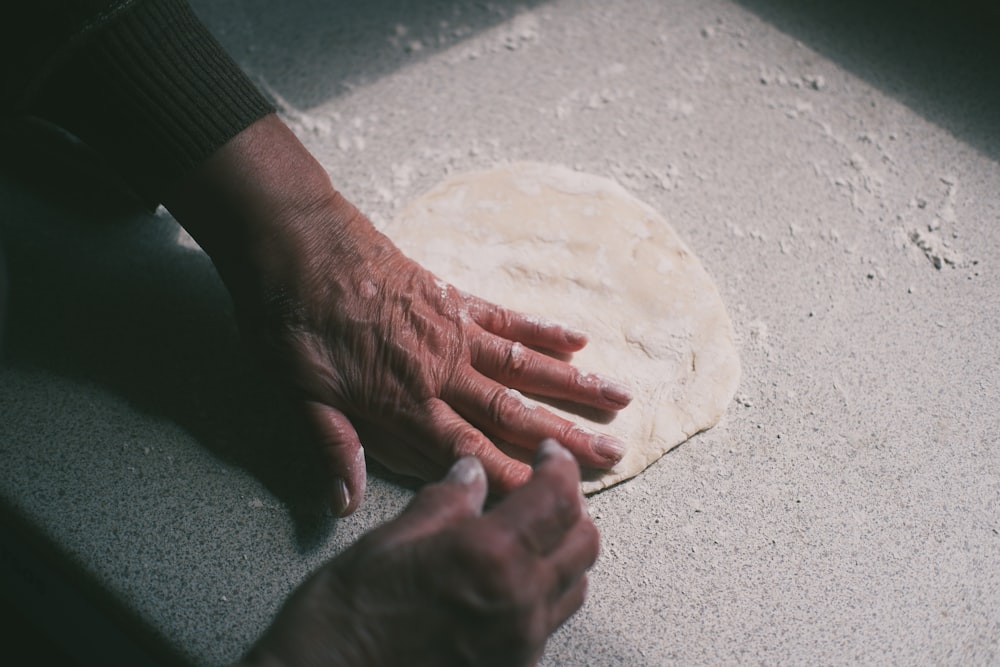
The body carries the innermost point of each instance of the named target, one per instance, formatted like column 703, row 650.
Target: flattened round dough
column 580, row 250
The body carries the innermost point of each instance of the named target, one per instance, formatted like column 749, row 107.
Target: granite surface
column 836, row 168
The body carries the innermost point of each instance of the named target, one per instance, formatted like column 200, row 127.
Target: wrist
column 232, row 202
column 260, row 206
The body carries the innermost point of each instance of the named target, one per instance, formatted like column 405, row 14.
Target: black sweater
column 142, row 82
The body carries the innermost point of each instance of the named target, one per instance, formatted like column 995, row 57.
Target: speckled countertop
column 835, row 168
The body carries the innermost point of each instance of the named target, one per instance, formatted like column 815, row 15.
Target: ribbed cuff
column 153, row 92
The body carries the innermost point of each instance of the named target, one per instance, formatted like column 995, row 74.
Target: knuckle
column 577, row 381
column 515, row 361
column 491, row 555
column 465, row 442
column 465, row 446
column 568, row 434
column 505, row 406
column 508, row 598
column 501, row 319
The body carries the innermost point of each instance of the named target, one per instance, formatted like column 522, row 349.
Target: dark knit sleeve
column 147, row 86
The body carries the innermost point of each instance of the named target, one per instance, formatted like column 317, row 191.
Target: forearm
column 142, row 83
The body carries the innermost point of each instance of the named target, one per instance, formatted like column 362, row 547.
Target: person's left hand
column 364, row 333
column 367, row 336
column 445, row 583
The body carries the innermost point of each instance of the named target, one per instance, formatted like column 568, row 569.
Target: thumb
column 459, row 496
column 343, row 456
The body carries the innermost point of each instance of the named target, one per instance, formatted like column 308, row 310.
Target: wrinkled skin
column 366, row 336
column 444, row 584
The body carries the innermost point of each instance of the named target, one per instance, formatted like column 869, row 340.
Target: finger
column 402, row 451
column 459, row 496
column 514, row 365
column 343, row 455
column 515, row 326
column 567, row 604
column 504, row 413
column 458, row 438
column 572, row 557
column 542, row 512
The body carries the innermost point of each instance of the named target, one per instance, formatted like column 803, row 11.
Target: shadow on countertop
column 941, row 59
column 102, row 292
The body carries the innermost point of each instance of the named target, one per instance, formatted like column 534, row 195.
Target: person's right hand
column 445, row 584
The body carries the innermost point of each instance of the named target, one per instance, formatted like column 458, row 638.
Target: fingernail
column 609, row 448
column 616, row 393
column 549, row 449
column 341, row 496
column 466, row 471
column 576, row 337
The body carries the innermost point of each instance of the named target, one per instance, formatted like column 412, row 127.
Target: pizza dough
column 580, row 250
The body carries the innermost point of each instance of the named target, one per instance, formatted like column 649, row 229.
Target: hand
column 445, row 585
column 367, row 336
